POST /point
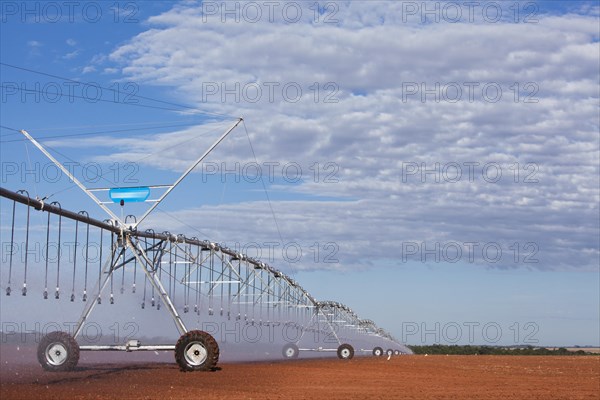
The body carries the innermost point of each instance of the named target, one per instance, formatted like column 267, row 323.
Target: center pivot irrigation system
column 187, row 276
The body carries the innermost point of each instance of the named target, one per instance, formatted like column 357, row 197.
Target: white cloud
column 71, row 55
column 71, row 42
column 34, row 48
column 544, row 126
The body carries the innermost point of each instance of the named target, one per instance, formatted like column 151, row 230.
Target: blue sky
column 384, row 160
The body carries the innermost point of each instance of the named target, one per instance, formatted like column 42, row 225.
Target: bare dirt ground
column 403, row 377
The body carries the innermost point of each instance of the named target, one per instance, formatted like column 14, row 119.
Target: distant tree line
column 494, row 350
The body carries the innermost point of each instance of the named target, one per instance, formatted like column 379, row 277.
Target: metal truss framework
column 210, row 278
column 187, row 275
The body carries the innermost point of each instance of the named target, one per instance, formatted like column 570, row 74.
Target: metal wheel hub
column 56, row 354
column 345, row 353
column 195, row 354
column 290, row 352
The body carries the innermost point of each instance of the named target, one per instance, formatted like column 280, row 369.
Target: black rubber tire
column 396, row 352
column 196, row 351
column 290, row 351
column 389, row 352
column 377, row 351
column 345, row 351
column 58, row 351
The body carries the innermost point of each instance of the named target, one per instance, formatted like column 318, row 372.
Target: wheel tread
column 290, row 346
column 211, row 345
column 72, row 351
column 345, row 346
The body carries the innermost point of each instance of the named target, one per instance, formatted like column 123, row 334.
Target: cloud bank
column 481, row 131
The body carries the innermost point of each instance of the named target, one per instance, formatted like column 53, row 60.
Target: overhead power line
column 184, row 106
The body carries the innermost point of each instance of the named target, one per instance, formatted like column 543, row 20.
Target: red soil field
column 402, row 377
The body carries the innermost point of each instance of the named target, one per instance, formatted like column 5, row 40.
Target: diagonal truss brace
column 102, row 205
column 151, row 272
column 68, row 173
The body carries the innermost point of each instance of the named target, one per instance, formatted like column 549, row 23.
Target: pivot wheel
column 345, row 351
column 290, row 350
column 196, row 351
column 58, row 351
column 389, row 352
column 377, row 351
column 396, row 352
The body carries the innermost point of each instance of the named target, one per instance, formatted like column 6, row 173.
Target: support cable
column 87, row 247
column 74, row 261
column 24, row 290
column 58, row 251
column 12, row 244
column 47, row 257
